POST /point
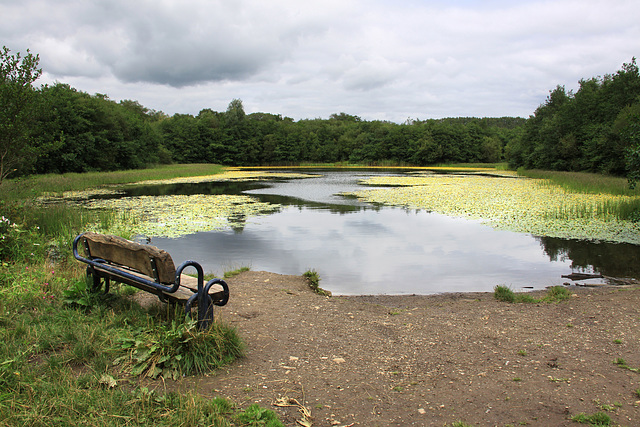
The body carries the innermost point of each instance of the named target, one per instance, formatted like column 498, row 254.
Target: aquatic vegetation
column 178, row 215
column 232, row 174
column 516, row 204
column 50, row 197
column 174, row 216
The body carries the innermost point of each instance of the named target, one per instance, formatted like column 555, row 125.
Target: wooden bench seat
column 112, row 258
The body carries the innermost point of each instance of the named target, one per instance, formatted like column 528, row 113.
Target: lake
column 360, row 249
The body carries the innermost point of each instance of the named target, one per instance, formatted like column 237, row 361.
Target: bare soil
column 429, row 360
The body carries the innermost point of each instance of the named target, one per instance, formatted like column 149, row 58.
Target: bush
column 504, row 294
column 179, row 349
column 554, row 294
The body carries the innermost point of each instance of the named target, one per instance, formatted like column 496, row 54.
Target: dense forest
column 595, row 129
column 58, row 129
column 92, row 133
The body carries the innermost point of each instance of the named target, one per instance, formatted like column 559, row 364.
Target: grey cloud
column 376, row 59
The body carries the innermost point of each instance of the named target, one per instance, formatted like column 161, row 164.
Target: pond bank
column 430, row 360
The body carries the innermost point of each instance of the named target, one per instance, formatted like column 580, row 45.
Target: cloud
column 375, row 58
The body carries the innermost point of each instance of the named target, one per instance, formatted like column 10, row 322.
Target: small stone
column 422, row 411
column 339, row 360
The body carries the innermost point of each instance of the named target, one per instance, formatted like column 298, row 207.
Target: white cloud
column 376, row 59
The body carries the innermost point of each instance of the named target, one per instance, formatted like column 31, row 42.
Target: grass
column 597, row 419
column 584, row 182
column 554, row 294
column 232, row 273
column 591, row 183
column 313, row 279
column 37, row 185
column 68, row 357
column 620, row 362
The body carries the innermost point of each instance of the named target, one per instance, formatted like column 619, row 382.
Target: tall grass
column 627, row 208
column 584, row 182
column 34, row 186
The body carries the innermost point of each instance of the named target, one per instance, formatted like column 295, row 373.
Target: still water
column 359, row 248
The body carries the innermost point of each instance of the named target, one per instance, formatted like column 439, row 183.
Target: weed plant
column 554, row 294
column 232, row 273
column 313, row 279
column 178, row 349
column 597, row 419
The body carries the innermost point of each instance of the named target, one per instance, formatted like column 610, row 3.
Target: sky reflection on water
column 390, row 251
column 360, row 249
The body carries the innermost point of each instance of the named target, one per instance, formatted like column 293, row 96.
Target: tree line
column 595, row 129
column 78, row 132
column 57, row 129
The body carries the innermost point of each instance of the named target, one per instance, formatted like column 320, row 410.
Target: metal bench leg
column 96, row 281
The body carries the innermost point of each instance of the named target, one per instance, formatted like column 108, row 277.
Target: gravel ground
column 429, row 360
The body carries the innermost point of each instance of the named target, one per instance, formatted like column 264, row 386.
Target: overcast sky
column 378, row 59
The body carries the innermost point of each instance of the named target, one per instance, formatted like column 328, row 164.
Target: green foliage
column 597, row 419
column 232, row 273
column 257, row 416
column 96, row 134
column 18, row 242
column 179, row 349
column 504, row 294
column 313, row 279
column 18, row 106
column 595, row 129
column 554, row 294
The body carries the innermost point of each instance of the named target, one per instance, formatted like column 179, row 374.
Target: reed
column 584, row 182
column 626, row 208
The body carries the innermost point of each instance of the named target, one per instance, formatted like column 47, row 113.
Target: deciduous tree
column 17, row 109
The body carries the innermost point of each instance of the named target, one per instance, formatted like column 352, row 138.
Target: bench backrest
column 131, row 254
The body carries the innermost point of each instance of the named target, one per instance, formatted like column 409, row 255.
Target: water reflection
column 359, row 248
column 610, row 259
column 388, row 251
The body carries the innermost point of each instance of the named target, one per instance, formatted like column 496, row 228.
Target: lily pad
column 517, row 204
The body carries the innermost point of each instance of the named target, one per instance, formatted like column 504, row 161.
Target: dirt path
column 430, row 360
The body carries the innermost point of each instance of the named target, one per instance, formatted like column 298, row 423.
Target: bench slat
column 135, row 255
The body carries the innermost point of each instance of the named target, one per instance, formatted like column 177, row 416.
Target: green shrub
column 179, row 349
column 557, row 293
column 504, row 294
column 313, row 279
column 254, row 415
column 554, row 294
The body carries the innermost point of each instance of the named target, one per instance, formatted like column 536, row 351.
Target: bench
column 112, row 258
